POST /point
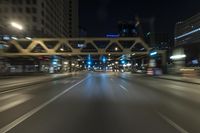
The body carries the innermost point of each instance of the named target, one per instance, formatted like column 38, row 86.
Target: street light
column 61, row 49
column 28, row 38
column 66, row 63
column 14, row 38
column 177, row 57
column 17, row 25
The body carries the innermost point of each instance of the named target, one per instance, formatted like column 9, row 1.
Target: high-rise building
column 187, row 39
column 163, row 41
column 72, row 17
column 40, row 18
column 188, row 31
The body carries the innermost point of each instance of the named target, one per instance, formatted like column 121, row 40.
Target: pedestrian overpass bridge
column 79, row 47
column 76, row 46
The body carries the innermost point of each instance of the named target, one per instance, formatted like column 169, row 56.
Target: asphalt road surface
column 102, row 103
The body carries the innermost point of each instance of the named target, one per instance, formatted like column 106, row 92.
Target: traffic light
column 123, row 62
column 104, row 59
column 89, row 62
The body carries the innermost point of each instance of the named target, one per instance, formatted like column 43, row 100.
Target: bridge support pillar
column 164, row 62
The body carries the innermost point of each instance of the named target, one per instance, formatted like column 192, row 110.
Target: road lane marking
column 19, row 120
column 111, row 79
column 124, row 88
column 10, row 105
column 169, row 121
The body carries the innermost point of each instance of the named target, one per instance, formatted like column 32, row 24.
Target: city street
column 99, row 66
column 102, row 103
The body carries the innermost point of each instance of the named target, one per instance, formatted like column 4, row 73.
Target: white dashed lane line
column 124, row 88
column 172, row 123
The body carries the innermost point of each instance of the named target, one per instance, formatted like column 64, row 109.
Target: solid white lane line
column 35, row 110
column 124, row 88
column 10, row 105
column 176, row 126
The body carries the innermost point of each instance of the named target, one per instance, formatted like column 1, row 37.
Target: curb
column 190, row 82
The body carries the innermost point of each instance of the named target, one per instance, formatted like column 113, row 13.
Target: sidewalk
column 192, row 80
column 179, row 78
column 22, row 81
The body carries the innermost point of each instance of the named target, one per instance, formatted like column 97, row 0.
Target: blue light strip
column 154, row 53
column 189, row 33
column 113, row 35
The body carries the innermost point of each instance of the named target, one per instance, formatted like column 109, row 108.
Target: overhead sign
column 81, row 45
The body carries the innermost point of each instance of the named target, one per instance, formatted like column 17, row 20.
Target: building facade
column 72, row 17
column 40, row 18
column 127, row 29
column 163, row 41
column 187, row 40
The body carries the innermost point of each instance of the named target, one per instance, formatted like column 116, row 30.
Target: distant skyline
column 101, row 16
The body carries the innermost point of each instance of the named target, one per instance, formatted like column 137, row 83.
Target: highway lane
column 103, row 103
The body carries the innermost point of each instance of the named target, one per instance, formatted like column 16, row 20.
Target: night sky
column 100, row 17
